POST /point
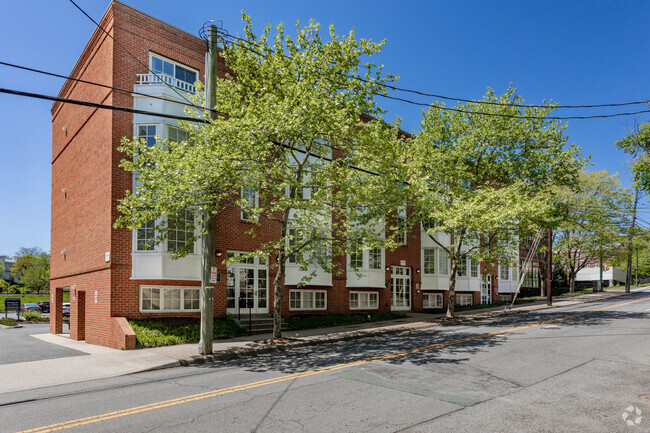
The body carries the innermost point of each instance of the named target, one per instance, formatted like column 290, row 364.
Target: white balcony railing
column 160, row 78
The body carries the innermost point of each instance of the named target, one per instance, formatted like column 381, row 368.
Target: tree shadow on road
column 438, row 345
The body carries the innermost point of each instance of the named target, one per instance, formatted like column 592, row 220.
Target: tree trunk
column 278, row 281
column 452, row 291
column 278, row 284
column 572, row 282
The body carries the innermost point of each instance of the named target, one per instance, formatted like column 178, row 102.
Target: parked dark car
column 66, row 309
column 45, row 306
column 31, row 307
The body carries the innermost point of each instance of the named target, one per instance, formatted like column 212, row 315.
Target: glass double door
column 486, row 289
column 400, row 288
column 247, row 290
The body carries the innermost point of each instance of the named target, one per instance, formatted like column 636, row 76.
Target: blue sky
column 574, row 52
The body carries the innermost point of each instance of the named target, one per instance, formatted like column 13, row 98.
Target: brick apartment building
column 118, row 274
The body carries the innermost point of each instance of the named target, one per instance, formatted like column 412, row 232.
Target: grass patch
column 310, row 322
column 156, row 333
column 8, row 322
column 30, row 299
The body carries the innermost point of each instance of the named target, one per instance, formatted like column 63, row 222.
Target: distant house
column 6, row 275
column 591, row 273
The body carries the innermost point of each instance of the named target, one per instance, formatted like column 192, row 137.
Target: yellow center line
column 223, row 391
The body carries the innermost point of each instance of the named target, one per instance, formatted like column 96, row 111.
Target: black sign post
column 12, row 304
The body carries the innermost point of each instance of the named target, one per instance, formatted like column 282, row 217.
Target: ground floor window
column 307, row 299
column 364, row 300
column 464, row 299
column 432, row 300
column 505, row 298
column 161, row 298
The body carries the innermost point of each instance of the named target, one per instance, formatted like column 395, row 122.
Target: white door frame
column 486, row 289
column 252, row 280
column 400, row 280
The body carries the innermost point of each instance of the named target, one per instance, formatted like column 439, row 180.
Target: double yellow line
column 202, row 396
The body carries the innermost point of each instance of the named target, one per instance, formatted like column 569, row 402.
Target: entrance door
column 400, row 288
column 247, row 289
column 486, row 289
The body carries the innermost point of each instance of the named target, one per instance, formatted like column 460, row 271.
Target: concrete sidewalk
column 102, row 362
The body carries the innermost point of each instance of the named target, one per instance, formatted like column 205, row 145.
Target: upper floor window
column 160, row 65
column 372, row 259
column 473, row 268
column 147, row 133
column 461, row 267
column 401, row 230
column 504, row 272
column 176, row 134
column 180, row 231
column 250, row 199
column 145, row 236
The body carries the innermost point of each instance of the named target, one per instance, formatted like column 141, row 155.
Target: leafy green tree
column 4, row 286
column 595, row 221
column 481, row 178
column 294, row 148
column 2, row 271
column 33, row 271
column 637, row 144
column 37, row 277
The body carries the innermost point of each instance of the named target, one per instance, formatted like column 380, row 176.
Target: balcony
column 162, row 79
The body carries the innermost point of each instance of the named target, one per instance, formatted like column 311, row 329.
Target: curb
column 264, row 349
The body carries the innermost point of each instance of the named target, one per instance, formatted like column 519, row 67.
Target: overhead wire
column 225, row 34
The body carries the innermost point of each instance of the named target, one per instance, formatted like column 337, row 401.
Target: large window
column 249, row 196
column 464, row 299
column 147, row 133
column 473, row 268
column 176, row 134
column 443, row 262
column 145, row 236
column 429, row 262
column 162, row 298
column 307, row 299
column 461, row 267
column 504, row 272
column 432, row 300
column 364, row 300
column 171, row 69
column 372, row 259
column 180, row 231
column 532, row 278
column 401, row 230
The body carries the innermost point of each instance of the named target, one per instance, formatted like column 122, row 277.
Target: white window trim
column 365, row 262
column 257, row 205
column 437, row 296
column 167, row 59
column 307, row 309
column 162, row 301
column 359, row 293
column 193, row 252
column 464, row 296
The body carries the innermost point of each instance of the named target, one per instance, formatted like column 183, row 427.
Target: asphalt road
column 575, row 369
column 16, row 346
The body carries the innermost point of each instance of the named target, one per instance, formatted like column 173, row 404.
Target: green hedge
column 155, row 334
column 310, row 322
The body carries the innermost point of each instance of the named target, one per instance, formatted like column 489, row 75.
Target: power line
column 225, row 34
column 96, row 105
column 106, row 86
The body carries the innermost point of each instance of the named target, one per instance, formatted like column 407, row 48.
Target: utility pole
column 209, row 219
column 628, row 277
column 636, row 272
column 600, row 267
column 549, row 273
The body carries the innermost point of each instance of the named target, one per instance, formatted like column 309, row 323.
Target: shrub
column 14, row 288
column 8, row 322
column 31, row 315
column 155, row 333
column 4, row 285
